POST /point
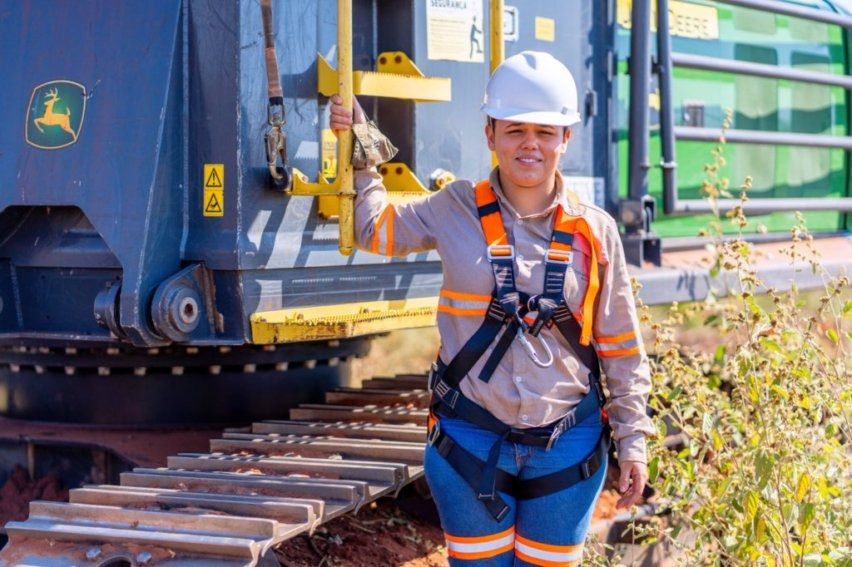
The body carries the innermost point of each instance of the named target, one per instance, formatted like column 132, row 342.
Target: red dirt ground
column 390, row 533
column 20, row 489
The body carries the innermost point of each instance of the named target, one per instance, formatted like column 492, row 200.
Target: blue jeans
column 549, row 530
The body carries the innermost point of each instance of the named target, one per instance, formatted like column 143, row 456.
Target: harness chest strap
column 565, row 226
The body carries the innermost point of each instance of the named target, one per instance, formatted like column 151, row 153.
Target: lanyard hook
column 531, row 349
column 276, row 146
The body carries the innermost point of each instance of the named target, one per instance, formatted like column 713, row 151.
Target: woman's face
column 528, row 154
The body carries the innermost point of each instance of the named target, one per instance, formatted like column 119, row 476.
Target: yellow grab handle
column 346, row 192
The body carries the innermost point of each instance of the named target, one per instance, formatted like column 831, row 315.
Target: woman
column 535, row 300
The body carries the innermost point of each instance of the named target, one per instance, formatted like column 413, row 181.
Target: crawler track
column 255, row 488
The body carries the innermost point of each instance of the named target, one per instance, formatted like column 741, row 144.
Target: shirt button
column 521, row 257
column 525, row 418
column 520, row 221
column 519, row 379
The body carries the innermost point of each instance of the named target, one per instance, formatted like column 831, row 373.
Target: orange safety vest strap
column 495, row 234
column 574, row 225
column 489, row 215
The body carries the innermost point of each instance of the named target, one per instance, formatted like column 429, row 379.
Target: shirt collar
column 562, row 197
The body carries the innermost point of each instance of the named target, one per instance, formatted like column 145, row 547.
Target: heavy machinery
column 176, row 231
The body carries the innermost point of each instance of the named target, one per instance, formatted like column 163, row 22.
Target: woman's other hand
column 631, row 483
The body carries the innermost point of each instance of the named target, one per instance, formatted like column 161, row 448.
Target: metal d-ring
column 531, row 349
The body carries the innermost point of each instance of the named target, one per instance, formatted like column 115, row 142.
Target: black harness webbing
column 472, row 469
column 506, row 312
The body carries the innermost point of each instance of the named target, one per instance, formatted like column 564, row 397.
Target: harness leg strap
column 469, row 468
column 486, row 490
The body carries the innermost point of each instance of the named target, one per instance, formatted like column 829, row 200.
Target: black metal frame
column 670, row 133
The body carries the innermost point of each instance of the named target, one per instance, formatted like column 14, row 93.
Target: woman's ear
column 565, row 137
column 489, row 135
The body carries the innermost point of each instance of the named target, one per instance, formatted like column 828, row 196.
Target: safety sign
column 214, row 189
column 454, row 30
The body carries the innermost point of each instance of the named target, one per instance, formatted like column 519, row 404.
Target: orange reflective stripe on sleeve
column 383, row 232
column 480, row 547
column 630, row 336
column 547, row 555
column 462, row 312
column 618, row 345
column 465, row 296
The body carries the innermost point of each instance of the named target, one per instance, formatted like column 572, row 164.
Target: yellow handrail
column 498, row 50
column 344, row 142
column 343, row 186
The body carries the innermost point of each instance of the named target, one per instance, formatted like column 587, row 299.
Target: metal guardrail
column 794, row 10
column 690, row 61
column 669, row 132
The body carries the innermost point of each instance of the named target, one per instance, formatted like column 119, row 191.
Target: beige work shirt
column 520, row 393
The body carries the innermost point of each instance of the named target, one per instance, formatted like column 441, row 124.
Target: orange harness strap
column 560, row 247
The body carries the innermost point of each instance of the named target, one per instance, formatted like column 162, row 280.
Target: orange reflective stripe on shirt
column 480, row 547
column 463, row 304
column 547, row 555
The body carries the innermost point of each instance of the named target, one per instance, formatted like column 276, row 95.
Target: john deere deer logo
column 55, row 114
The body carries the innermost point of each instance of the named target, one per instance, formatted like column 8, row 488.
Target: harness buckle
column 531, row 352
column 434, row 433
column 559, row 257
column 501, row 252
column 595, row 383
column 566, row 423
column 434, row 376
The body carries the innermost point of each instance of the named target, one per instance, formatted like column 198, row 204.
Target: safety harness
column 506, row 313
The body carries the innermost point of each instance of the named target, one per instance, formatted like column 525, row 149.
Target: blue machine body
column 105, row 236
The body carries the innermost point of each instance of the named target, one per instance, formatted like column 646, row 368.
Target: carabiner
column 531, row 349
column 276, row 150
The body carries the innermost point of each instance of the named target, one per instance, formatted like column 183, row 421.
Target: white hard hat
column 532, row 86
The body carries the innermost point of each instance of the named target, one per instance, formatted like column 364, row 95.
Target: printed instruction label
column 213, row 204
column 455, row 30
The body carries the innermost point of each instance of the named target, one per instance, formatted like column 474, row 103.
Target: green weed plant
column 751, row 462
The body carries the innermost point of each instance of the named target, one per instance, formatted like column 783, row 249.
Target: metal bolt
column 93, row 553
column 144, row 558
column 188, row 310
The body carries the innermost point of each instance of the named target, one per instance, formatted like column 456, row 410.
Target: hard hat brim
column 519, row 115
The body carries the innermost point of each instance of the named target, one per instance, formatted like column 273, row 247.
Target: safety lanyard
column 275, row 140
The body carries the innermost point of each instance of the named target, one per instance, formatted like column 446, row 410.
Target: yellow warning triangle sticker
column 213, row 180
column 213, row 205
